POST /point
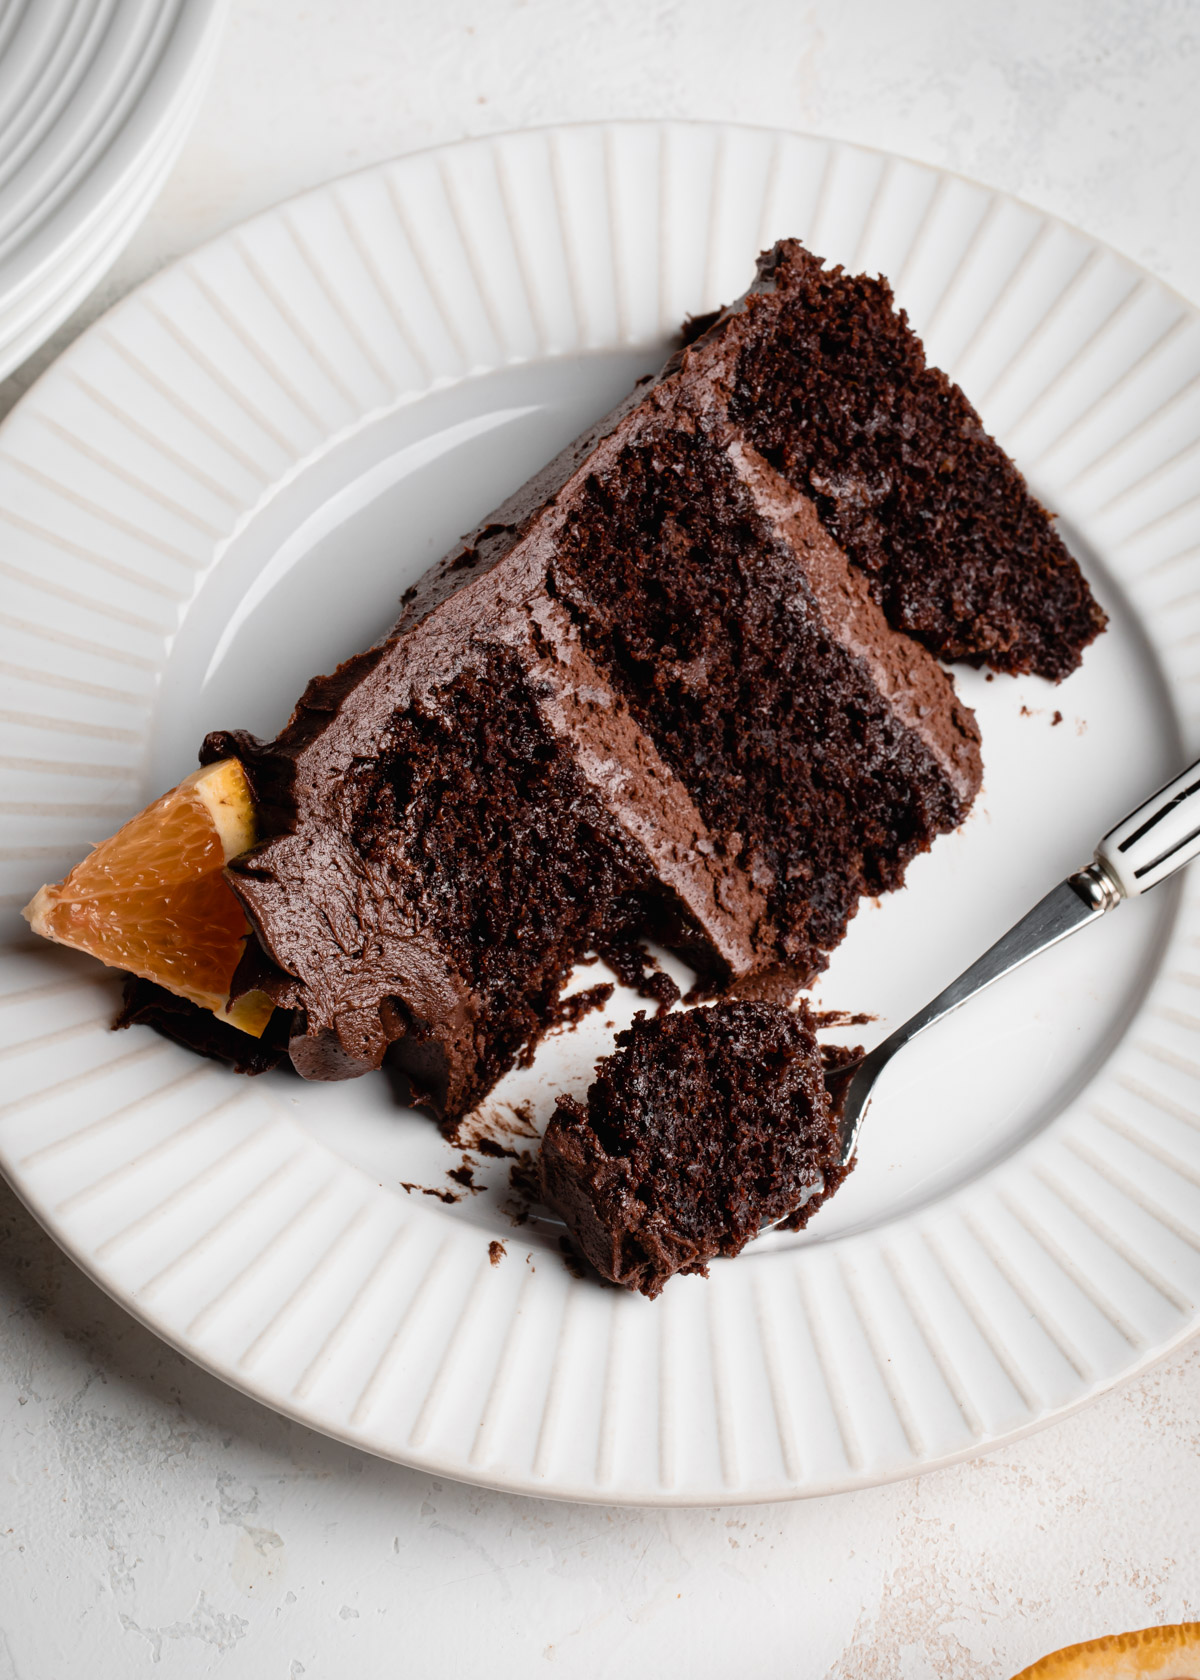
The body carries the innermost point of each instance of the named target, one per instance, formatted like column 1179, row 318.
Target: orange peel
column 153, row 898
column 1154, row 1653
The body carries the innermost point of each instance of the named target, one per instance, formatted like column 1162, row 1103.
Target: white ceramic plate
column 226, row 485
column 96, row 97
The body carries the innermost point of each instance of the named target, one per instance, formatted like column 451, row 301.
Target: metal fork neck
column 1081, row 898
column 1096, row 887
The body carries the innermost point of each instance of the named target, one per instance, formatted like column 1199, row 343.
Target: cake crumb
column 424, row 1190
column 840, row 1018
column 1025, row 712
column 496, row 1252
column 495, row 1122
column 525, row 1187
column 613, row 1172
column 465, row 1175
column 1056, row 719
column 565, row 1014
column 489, row 1146
column 635, row 967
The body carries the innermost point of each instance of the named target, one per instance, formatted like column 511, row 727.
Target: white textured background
column 150, row 1516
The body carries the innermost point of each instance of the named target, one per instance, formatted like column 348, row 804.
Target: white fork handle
column 1156, row 839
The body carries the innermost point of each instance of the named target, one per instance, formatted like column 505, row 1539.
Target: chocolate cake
column 671, row 689
column 704, row 1126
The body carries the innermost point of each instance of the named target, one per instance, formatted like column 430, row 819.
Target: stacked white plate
column 96, row 98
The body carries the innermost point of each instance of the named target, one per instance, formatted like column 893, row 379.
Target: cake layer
column 704, row 1125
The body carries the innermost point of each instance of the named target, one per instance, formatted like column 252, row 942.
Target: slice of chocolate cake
column 657, row 693
column 680, row 715
column 704, row 1126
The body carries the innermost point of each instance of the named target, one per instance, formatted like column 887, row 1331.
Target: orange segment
column 1156, row 1653
column 152, row 899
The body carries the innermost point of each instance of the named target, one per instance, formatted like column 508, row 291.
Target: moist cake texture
column 834, row 390
column 704, row 1125
column 822, row 750
column 680, row 686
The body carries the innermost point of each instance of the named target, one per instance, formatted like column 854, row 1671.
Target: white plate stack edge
column 96, row 99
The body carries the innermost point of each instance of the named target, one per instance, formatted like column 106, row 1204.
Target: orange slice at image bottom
column 152, row 899
column 1155, row 1653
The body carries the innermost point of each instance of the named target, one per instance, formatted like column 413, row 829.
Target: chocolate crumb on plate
column 566, row 1013
column 465, row 1175
column 424, row 1190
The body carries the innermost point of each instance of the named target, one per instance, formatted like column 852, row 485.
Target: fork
column 1149, row 845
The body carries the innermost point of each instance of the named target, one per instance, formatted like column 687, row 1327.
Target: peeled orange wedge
column 1156, row 1653
column 152, row 899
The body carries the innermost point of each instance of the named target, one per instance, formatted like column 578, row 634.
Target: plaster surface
column 153, row 1520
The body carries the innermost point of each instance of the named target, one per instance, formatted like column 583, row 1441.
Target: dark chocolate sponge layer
column 831, row 385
